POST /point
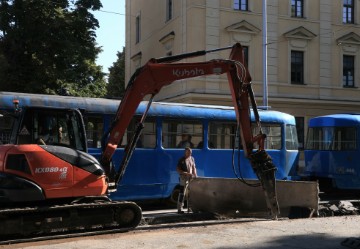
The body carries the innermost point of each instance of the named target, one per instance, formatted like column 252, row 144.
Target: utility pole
column 265, row 83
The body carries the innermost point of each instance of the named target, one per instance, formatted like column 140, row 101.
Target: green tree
column 116, row 82
column 49, row 45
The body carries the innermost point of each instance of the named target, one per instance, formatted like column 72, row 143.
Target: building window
column 348, row 11
column 241, row 5
column 297, row 8
column 348, row 70
column 297, row 67
column 137, row 32
column 169, row 10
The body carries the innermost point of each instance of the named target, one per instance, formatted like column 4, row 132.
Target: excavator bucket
column 232, row 198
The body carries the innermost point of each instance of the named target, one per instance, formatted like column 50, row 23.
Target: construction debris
column 337, row 208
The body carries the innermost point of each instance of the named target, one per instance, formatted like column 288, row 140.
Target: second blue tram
column 151, row 173
column 332, row 150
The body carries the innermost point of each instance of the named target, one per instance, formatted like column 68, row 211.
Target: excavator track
column 45, row 220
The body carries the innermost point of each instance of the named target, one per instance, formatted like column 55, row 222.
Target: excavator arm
column 157, row 73
column 242, row 96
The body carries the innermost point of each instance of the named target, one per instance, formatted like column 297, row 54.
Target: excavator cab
column 49, row 126
column 47, row 158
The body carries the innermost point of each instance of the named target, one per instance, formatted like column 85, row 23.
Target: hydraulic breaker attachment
column 264, row 168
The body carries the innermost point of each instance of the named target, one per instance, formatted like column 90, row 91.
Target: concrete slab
column 233, row 198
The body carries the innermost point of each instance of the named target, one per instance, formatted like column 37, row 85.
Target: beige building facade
column 313, row 50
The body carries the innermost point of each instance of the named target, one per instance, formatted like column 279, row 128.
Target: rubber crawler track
column 47, row 220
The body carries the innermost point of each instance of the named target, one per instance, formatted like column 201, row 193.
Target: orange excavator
column 54, row 184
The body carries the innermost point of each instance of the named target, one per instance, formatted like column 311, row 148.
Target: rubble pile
column 338, row 208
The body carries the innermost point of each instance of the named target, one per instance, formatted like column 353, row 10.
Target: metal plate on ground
column 233, row 198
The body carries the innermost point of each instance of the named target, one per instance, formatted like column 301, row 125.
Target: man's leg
column 186, row 195
column 180, row 201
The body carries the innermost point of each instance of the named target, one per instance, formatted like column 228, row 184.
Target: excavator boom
column 155, row 74
column 148, row 80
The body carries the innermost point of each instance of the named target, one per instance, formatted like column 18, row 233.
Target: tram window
column 273, row 135
column 147, row 138
column 175, row 132
column 94, row 131
column 331, row 138
column 6, row 123
column 221, row 135
column 291, row 137
column 313, row 139
column 346, row 138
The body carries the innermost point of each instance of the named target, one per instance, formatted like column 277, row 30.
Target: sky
column 111, row 34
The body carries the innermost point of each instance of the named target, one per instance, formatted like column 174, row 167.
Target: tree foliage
column 116, row 82
column 47, row 45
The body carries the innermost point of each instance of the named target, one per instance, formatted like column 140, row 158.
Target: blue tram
column 332, row 147
column 151, row 173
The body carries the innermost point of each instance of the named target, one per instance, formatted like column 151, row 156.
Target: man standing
column 187, row 169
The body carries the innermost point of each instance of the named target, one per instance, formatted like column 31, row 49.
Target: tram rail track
column 155, row 219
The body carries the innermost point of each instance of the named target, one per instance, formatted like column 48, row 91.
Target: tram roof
column 339, row 119
column 109, row 106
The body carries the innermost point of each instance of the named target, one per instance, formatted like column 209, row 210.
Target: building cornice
column 300, row 33
column 167, row 37
column 136, row 56
column 349, row 39
column 243, row 27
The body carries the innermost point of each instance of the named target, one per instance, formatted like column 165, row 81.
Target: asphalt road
column 241, row 233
